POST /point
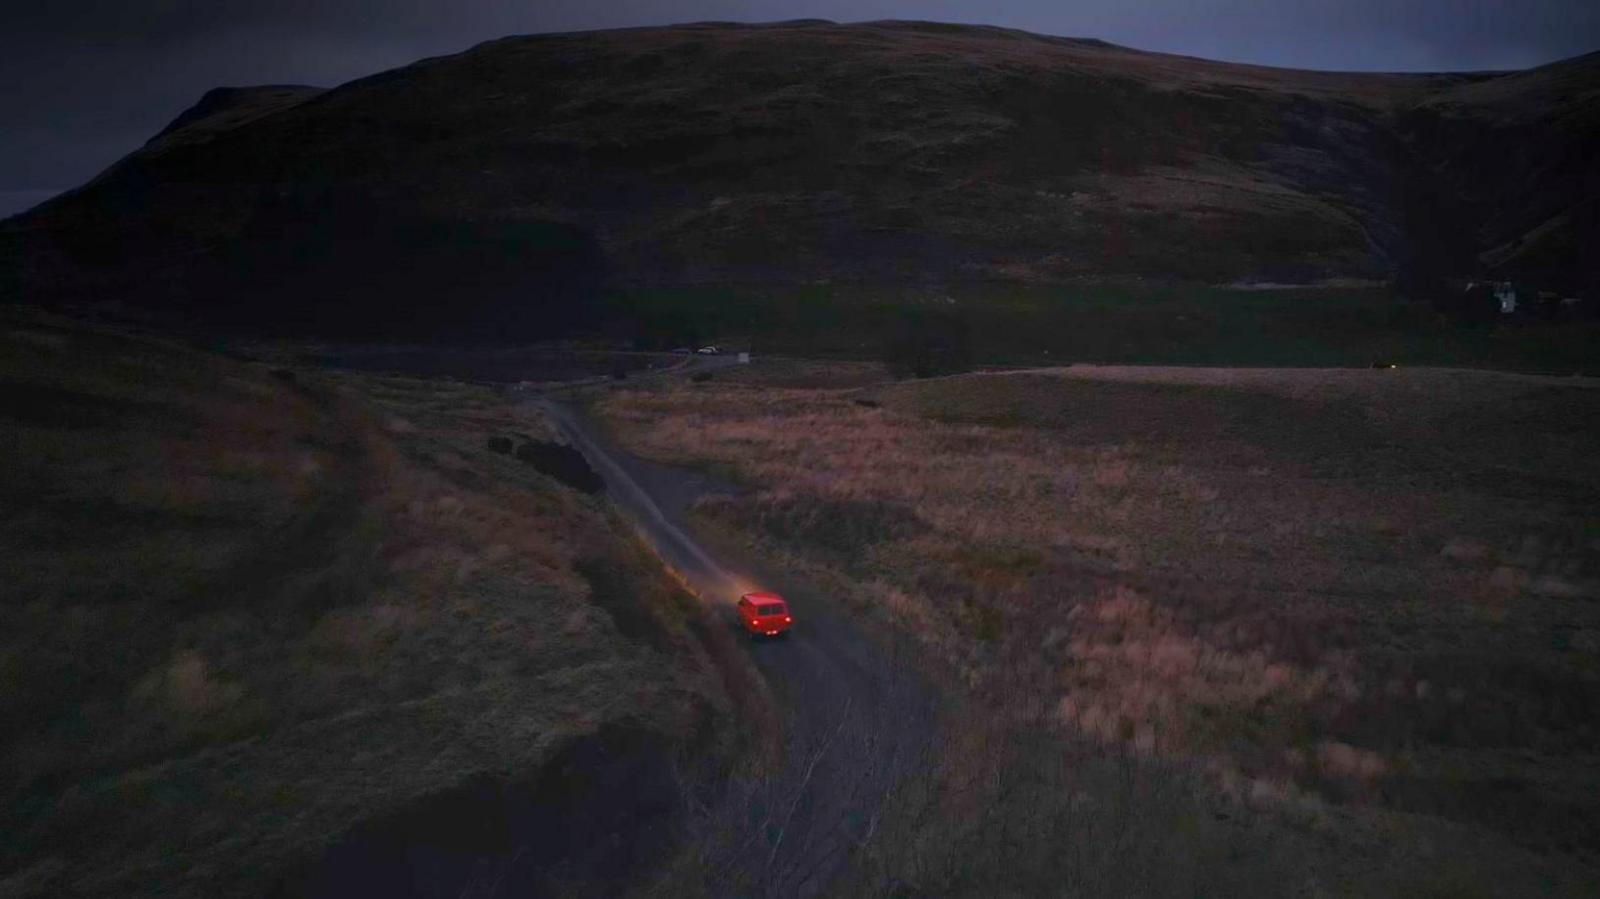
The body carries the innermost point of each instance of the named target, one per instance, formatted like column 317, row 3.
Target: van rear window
column 769, row 609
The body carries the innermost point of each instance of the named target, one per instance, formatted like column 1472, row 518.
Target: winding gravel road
column 857, row 719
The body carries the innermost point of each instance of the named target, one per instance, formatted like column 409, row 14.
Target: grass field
column 1361, row 601
column 1134, row 322
column 250, row 615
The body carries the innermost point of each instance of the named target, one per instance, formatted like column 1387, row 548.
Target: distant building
column 1507, row 295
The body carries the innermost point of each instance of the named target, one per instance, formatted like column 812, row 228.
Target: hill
column 266, row 632
column 225, row 108
column 503, row 190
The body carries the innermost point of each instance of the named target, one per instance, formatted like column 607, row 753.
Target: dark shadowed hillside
column 502, row 190
column 1519, row 157
column 225, row 108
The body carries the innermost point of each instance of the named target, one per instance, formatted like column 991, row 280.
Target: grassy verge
column 254, row 618
column 1358, row 603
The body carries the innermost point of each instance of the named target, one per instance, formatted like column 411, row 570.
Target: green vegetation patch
column 1132, row 322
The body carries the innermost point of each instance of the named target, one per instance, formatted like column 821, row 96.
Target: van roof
column 763, row 596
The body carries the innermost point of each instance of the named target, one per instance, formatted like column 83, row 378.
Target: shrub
column 844, row 527
column 563, row 463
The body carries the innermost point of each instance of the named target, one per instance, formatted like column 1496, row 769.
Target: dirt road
column 856, row 718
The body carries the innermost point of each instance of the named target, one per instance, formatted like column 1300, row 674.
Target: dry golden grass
column 246, row 614
column 1369, row 591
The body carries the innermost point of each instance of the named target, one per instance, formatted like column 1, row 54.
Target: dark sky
column 84, row 81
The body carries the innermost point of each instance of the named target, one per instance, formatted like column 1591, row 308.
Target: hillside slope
column 502, row 188
column 225, row 108
column 1519, row 155
column 263, row 627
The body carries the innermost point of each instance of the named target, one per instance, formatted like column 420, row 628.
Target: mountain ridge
column 527, row 175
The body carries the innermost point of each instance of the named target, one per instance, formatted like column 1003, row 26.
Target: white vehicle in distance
column 708, row 351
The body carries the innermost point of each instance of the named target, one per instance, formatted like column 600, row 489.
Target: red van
column 764, row 614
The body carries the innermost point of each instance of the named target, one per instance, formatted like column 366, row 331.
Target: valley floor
column 1357, row 606
column 1190, row 631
